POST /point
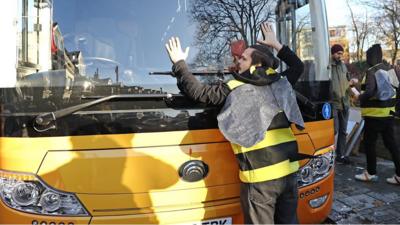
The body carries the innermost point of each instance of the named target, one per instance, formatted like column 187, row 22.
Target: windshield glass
column 70, row 49
column 103, row 43
column 65, row 53
column 122, row 42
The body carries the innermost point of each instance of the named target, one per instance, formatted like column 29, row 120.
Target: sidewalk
column 358, row 202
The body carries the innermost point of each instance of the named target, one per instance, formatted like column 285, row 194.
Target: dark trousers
column 270, row 202
column 385, row 127
column 340, row 118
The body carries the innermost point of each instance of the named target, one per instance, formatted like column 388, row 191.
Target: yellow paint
column 15, row 152
column 320, row 132
column 325, row 150
column 159, row 201
column 132, row 178
column 135, row 170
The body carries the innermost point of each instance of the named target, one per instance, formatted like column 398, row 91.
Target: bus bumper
column 315, row 201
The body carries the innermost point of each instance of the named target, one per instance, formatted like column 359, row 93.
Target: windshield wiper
column 46, row 121
column 301, row 98
column 199, row 73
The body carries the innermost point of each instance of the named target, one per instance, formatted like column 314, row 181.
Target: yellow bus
column 98, row 140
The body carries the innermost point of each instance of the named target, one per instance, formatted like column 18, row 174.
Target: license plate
column 216, row 221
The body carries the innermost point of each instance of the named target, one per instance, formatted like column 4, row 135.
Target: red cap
column 238, row 47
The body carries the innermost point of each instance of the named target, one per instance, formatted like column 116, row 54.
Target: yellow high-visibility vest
column 376, row 108
column 268, row 159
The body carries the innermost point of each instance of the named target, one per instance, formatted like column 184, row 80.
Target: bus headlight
column 27, row 193
column 316, row 169
column 50, row 201
column 306, row 174
column 23, row 194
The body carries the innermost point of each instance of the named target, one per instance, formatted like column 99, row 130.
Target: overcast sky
column 339, row 14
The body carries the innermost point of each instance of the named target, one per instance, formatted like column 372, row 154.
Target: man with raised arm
column 258, row 107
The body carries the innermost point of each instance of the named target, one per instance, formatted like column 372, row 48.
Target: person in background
column 377, row 103
column 237, row 49
column 341, row 101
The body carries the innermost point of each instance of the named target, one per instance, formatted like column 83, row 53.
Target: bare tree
column 219, row 22
column 388, row 21
column 303, row 30
column 362, row 29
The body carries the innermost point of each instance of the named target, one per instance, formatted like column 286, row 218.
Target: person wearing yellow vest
column 267, row 162
column 377, row 110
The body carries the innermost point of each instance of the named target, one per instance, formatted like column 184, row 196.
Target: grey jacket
column 340, row 86
column 246, row 124
column 385, row 90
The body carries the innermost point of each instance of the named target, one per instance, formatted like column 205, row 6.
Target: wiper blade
column 46, row 121
column 303, row 99
column 133, row 96
column 199, row 73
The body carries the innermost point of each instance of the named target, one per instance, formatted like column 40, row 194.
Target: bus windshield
column 111, row 43
column 71, row 52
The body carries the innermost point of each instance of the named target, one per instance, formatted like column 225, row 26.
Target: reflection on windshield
column 68, row 50
column 86, row 47
column 304, row 42
column 297, row 33
column 122, row 42
column 101, row 42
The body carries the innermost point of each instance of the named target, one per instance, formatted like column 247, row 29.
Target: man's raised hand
column 269, row 37
column 174, row 50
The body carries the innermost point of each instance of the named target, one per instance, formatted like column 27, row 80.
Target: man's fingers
column 168, row 48
column 261, row 42
column 271, row 29
column 268, row 27
column 263, row 28
column 187, row 52
column 178, row 43
column 171, row 44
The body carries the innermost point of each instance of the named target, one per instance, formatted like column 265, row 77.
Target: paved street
column 365, row 203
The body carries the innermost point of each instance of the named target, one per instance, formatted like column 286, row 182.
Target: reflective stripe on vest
column 276, row 141
column 232, row 84
column 377, row 112
column 376, row 108
column 271, row 154
column 272, row 137
column 270, row 172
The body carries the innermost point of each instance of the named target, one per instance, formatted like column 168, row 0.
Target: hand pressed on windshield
column 269, row 37
column 174, row 50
